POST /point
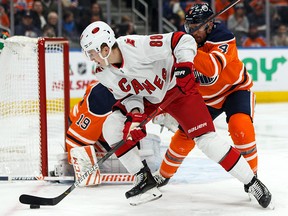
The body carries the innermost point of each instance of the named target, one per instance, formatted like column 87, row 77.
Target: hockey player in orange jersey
column 225, row 86
column 85, row 131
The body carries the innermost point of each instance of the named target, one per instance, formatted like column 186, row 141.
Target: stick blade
column 35, row 200
column 29, row 199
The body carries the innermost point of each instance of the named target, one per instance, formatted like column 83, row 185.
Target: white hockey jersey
column 147, row 67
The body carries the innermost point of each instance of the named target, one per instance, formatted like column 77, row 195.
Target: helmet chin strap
column 106, row 57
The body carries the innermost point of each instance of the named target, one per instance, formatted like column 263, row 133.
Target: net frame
column 42, row 63
column 42, row 91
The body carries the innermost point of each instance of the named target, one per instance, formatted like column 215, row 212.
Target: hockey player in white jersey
column 143, row 72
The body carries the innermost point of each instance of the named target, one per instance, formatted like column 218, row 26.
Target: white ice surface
column 200, row 187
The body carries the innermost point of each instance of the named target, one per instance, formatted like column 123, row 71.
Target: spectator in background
column 238, row 23
column 281, row 37
column 20, row 7
column 247, row 6
column 85, row 3
column 70, row 4
column 97, row 10
column 52, row 20
column 26, row 27
column 86, row 15
column 219, row 5
column 254, row 39
column 173, row 12
column 37, row 13
column 23, row 5
column 49, row 6
column 69, row 28
column 258, row 16
column 48, row 31
column 4, row 19
column 282, row 9
column 95, row 18
column 126, row 27
column 275, row 19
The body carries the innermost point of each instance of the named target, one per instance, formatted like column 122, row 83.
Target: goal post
column 34, row 104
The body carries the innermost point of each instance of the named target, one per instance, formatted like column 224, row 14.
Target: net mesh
column 20, row 139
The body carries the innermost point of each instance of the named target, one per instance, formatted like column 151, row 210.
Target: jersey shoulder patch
column 100, row 100
column 176, row 36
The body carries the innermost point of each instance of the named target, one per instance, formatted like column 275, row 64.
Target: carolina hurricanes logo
column 130, row 42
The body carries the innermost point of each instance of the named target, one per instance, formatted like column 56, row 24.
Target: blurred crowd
column 35, row 18
column 247, row 20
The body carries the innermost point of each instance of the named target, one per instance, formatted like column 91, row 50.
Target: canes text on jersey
column 137, row 86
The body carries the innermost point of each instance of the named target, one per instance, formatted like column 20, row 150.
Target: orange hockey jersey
column 87, row 118
column 218, row 68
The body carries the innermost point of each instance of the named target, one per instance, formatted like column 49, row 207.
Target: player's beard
column 200, row 39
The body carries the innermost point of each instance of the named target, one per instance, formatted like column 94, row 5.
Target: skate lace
column 257, row 190
column 159, row 179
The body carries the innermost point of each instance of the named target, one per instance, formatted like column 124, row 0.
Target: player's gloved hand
column 132, row 133
column 185, row 78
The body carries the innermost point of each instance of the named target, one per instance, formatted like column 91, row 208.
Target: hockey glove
column 131, row 132
column 185, row 78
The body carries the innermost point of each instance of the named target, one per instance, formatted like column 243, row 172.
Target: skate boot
column 161, row 181
column 259, row 191
column 145, row 188
column 246, row 187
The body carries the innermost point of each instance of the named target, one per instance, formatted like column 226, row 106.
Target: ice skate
column 145, row 188
column 259, row 191
column 246, row 187
column 161, row 181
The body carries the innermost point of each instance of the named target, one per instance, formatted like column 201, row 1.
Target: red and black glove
column 185, row 78
column 132, row 133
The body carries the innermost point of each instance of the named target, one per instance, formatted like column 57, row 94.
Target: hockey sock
column 179, row 148
column 242, row 133
column 227, row 156
column 131, row 160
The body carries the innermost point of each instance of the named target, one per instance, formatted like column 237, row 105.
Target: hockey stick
column 106, row 178
column 21, row 178
column 216, row 14
column 35, row 200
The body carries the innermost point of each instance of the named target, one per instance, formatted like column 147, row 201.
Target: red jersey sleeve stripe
column 175, row 39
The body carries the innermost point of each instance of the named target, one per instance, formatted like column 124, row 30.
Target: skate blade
column 250, row 197
column 148, row 196
column 271, row 205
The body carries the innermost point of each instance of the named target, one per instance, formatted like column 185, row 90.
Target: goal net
column 34, row 104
